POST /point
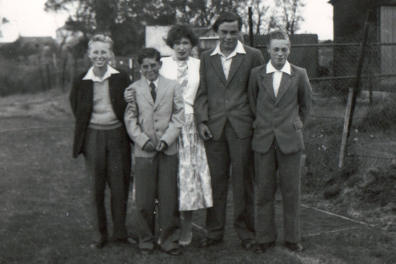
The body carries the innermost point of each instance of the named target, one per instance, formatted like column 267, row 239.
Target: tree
column 291, row 14
column 3, row 21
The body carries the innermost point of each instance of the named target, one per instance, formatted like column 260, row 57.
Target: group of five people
column 195, row 124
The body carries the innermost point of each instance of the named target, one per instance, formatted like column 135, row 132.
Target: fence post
column 251, row 37
column 345, row 130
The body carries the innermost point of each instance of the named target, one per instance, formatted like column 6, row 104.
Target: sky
column 28, row 18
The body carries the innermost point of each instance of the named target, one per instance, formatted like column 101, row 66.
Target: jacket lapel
column 218, row 67
column 285, row 84
column 146, row 91
column 235, row 64
column 266, row 81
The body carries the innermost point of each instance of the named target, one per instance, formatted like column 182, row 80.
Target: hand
column 161, row 146
column 204, row 131
column 148, row 146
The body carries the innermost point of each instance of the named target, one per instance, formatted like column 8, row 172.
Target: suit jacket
column 280, row 117
column 169, row 70
column 157, row 121
column 81, row 100
column 219, row 99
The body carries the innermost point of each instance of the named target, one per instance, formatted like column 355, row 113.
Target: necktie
column 153, row 93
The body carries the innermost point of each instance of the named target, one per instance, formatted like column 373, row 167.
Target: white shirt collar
column 286, row 68
column 91, row 76
column 238, row 49
column 155, row 82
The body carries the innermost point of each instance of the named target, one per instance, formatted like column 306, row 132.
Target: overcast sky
column 28, row 18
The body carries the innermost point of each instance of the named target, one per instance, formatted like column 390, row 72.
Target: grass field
column 45, row 212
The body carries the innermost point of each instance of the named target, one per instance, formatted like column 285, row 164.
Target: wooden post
column 345, row 131
column 251, row 37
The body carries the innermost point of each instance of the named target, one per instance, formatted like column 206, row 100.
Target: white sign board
column 155, row 38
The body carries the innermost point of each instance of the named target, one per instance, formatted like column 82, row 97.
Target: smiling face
column 228, row 35
column 150, row 68
column 182, row 48
column 279, row 50
column 99, row 53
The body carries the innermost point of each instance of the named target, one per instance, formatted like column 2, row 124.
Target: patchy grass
column 45, row 213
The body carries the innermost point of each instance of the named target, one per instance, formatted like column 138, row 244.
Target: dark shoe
column 261, row 248
column 249, row 244
column 207, row 242
column 174, row 252
column 296, row 247
column 99, row 244
column 126, row 240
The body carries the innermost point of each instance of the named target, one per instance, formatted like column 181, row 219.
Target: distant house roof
column 37, row 40
column 369, row 2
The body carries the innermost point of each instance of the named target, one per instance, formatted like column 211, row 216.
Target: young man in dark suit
column 280, row 98
column 224, row 121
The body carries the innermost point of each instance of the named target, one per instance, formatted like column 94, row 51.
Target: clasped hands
column 204, row 131
column 149, row 146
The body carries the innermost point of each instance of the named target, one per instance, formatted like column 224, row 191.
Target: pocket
column 298, row 124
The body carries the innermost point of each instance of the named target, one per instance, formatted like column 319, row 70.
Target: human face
column 99, row 53
column 182, row 48
column 228, row 34
column 150, row 68
column 279, row 50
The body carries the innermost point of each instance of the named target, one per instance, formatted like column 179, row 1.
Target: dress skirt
column 195, row 191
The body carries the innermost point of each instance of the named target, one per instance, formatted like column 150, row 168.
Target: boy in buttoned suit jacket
column 153, row 119
column 280, row 98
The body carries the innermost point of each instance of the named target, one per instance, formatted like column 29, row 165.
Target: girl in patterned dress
column 195, row 191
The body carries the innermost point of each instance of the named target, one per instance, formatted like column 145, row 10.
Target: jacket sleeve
column 304, row 96
column 253, row 91
column 177, row 119
column 201, row 99
column 73, row 96
column 131, row 116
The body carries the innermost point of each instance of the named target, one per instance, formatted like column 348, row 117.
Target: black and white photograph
column 197, row 131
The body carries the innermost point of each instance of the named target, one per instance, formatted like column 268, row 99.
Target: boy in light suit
column 153, row 119
column 280, row 98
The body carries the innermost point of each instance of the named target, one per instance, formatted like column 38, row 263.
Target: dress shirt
column 277, row 75
column 155, row 83
column 227, row 60
column 102, row 112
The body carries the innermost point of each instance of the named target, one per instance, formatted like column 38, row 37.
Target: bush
column 18, row 77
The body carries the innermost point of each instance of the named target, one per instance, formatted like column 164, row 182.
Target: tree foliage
column 125, row 19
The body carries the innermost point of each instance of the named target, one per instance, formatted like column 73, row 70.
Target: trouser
column 156, row 177
column 108, row 160
column 288, row 167
column 230, row 150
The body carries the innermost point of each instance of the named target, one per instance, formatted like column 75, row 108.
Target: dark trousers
column 288, row 167
column 108, row 160
column 221, row 153
column 156, row 177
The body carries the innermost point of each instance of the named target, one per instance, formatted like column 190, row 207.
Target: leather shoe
column 249, row 244
column 296, row 247
column 174, row 252
column 207, row 242
column 99, row 244
column 261, row 248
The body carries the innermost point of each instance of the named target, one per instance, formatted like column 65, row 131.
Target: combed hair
column 278, row 34
column 148, row 53
column 101, row 38
column 179, row 31
column 227, row 17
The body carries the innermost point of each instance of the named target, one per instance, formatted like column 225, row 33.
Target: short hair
column 278, row 34
column 148, row 53
column 177, row 32
column 100, row 38
column 227, row 17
